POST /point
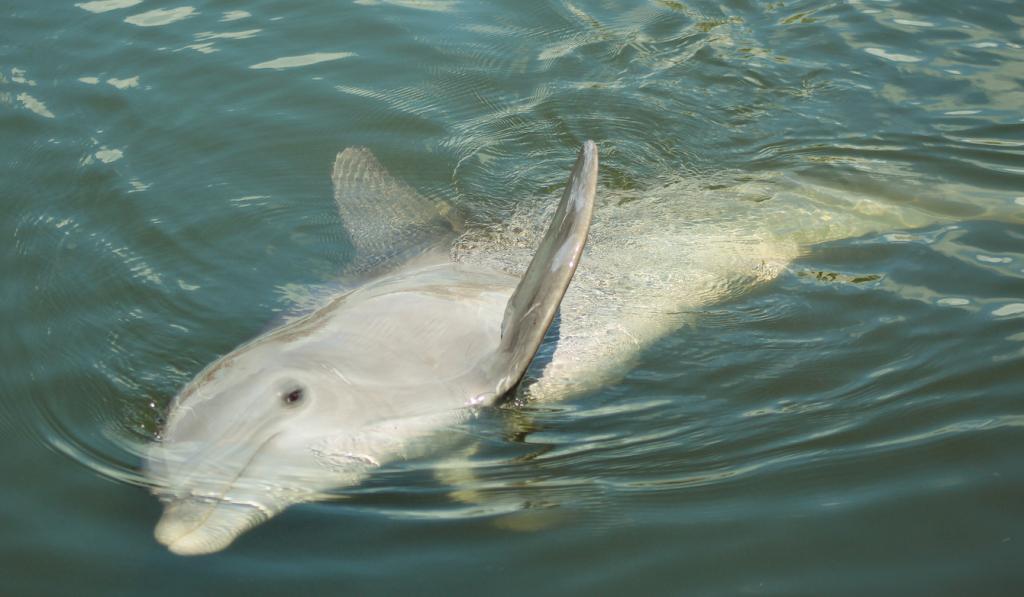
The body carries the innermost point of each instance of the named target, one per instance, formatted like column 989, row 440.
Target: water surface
column 851, row 425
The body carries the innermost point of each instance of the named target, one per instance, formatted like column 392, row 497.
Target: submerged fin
column 384, row 218
column 532, row 307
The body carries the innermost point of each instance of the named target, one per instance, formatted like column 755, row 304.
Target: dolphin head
column 243, row 441
column 318, row 404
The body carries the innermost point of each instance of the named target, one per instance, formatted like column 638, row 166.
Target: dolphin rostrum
column 322, row 401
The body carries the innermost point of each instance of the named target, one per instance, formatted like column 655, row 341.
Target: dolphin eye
column 292, row 398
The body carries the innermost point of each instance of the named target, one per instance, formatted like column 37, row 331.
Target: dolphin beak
column 191, row 526
column 208, row 522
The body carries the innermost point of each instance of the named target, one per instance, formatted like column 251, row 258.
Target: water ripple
column 160, row 16
column 800, row 435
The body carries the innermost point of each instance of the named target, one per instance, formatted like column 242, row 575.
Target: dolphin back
column 386, row 220
column 533, row 305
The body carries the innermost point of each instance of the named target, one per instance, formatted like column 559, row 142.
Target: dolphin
column 419, row 342
column 440, row 320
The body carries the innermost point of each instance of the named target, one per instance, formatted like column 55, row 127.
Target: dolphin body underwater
column 443, row 321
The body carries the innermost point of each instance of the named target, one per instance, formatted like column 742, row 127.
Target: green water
column 849, row 426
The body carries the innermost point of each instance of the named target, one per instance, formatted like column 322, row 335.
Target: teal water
column 851, row 425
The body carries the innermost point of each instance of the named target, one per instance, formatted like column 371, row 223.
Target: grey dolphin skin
column 321, row 402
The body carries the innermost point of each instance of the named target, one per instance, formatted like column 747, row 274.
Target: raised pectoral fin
column 533, row 304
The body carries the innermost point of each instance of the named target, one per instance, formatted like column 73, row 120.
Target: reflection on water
column 846, row 422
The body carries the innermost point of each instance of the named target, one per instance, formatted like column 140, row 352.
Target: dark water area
column 850, row 425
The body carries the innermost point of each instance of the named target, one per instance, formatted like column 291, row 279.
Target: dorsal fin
column 385, row 219
column 533, row 304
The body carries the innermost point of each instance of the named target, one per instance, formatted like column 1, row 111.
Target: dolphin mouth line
column 218, row 501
